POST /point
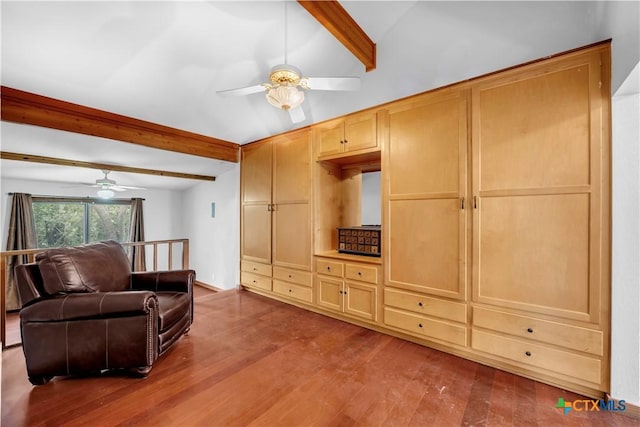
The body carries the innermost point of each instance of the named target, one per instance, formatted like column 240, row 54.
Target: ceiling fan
column 107, row 186
column 286, row 81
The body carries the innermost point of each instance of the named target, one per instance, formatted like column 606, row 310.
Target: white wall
column 625, row 298
column 619, row 21
column 215, row 242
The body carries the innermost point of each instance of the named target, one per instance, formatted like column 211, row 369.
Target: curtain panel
column 21, row 235
column 136, row 234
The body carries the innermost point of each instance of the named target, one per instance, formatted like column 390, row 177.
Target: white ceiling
column 164, row 61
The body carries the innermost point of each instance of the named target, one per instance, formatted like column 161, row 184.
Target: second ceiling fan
column 285, row 89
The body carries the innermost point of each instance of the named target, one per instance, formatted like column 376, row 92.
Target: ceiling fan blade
column 333, row 83
column 241, row 91
column 296, row 114
column 129, row 187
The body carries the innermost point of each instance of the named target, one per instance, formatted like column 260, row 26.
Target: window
column 70, row 222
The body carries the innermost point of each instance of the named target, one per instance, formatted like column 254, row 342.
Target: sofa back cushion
column 97, row 267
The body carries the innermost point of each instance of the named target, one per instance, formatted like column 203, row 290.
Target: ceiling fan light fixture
column 105, row 193
column 285, row 97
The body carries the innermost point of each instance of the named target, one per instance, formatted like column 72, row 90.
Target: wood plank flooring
column 249, row 360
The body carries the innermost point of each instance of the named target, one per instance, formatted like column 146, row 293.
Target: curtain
column 136, row 234
column 21, row 235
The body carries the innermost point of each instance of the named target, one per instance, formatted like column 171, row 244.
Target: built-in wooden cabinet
column 347, row 135
column 348, row 287
column 542, row 217
column 426, row 198
column 291, row 283
column 256, row 167
column 425, row 316
column 292, row 200
column 276, row 211
column 495, row 219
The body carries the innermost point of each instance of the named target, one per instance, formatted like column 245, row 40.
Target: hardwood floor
column 249, row 360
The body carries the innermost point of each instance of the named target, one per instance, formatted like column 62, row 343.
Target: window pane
column 59, row 224
column 109, row 222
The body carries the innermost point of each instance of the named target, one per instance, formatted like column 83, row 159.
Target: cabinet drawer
column 572, row 337
column 426, row 305
column 362, row 273
column 255, row 281
column 290, row 290
column 329, row 268
column 296, row 276
column 425, row 327
column 256, row 267
column 539, row 356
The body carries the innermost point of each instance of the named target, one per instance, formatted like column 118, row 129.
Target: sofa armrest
column 95, row 305
column 164, row 281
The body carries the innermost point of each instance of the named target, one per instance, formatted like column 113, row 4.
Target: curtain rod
column 76, row 197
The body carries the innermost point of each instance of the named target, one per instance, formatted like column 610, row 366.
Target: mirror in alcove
column 371, row 199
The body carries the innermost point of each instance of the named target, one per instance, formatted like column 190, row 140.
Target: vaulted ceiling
column 163, row 62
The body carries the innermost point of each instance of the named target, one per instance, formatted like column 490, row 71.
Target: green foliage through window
column 72, row 222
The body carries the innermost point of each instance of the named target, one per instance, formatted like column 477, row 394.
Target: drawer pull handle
column 255, row 269
column 420, row 304
column 290, row 290
column 328, row 268
column 527, row 353
column 530, row 330
column 254, row 281
column 289, row 276
column 419, row 325
column 359, row 273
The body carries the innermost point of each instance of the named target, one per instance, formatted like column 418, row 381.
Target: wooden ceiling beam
column 344, row 28
column 28, row 108
column 5, row 155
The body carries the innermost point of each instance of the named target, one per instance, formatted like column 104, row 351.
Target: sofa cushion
column 97, row 267
column 173, row 306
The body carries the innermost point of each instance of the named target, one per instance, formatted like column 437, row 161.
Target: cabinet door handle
column 345, row 141
column 341, row 141
column 461, row 203
column 475, row 202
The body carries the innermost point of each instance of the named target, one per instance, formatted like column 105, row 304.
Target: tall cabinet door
column 291, row 197
column 540, row 227
column 256, row 202
column 425, row 215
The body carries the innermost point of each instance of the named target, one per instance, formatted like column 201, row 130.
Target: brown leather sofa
column 84, row 311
